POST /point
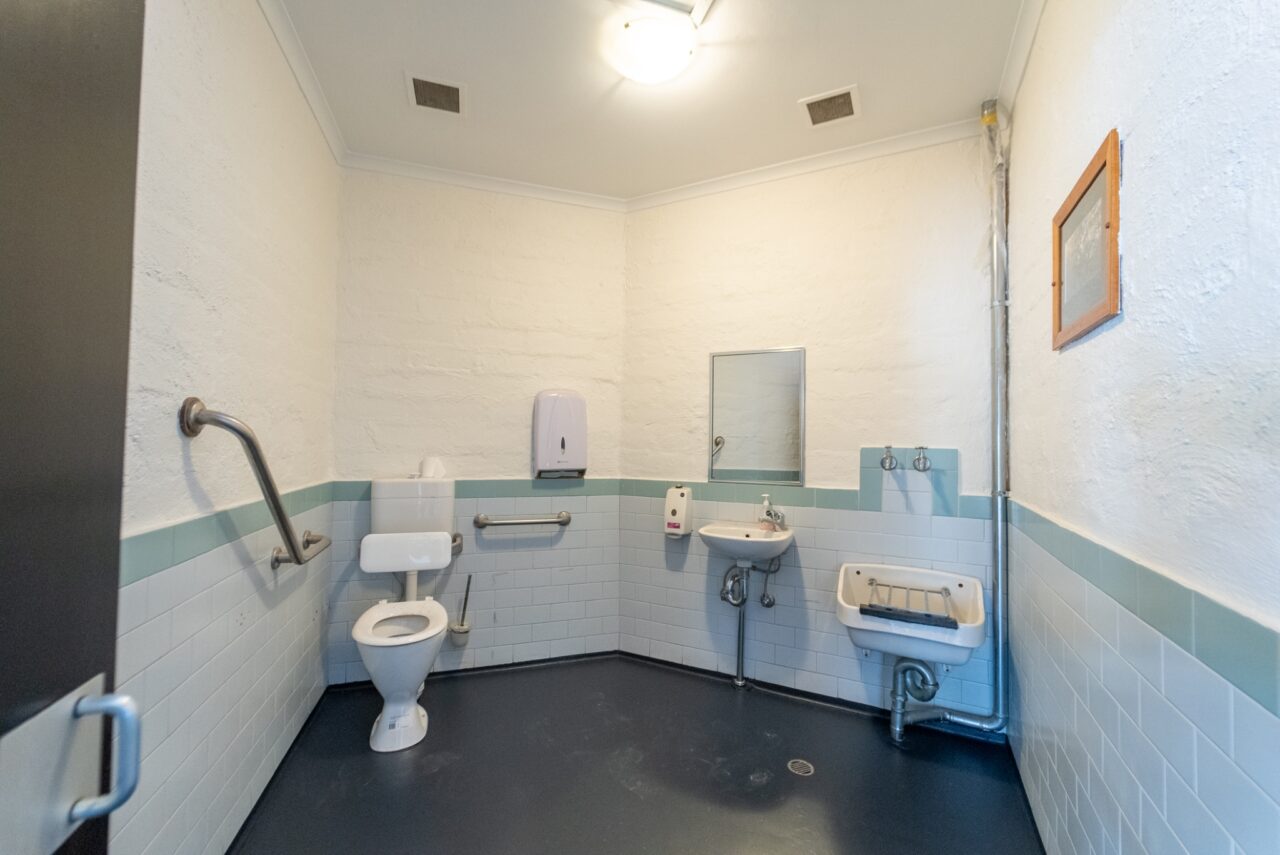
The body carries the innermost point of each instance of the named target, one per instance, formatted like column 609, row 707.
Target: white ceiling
column 541, row 106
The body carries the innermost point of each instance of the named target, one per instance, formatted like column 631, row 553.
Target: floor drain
column 800, row 767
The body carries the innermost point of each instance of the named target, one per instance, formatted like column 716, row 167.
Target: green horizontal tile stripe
column 836, row 500
column 1237, row 648
column 351, row 491
column 517, row 488
column 1243, row 651
column 975, row 507
column 761, row 475
column 146, row 554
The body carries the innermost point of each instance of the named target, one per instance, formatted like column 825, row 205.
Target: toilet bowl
column 398, row 643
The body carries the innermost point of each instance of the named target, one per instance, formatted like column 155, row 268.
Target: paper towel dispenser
column 559, row 434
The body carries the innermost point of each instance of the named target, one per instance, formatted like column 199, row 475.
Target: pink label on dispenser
column 673, row 525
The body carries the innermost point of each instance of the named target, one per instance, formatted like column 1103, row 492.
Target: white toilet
column 412, row 524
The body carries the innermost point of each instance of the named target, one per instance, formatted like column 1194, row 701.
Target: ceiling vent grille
column 437, row 96
column 833, row 106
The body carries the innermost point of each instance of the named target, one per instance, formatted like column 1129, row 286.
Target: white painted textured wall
column 235, row 259
column 455, row 307
column 879, row 269
column 1157, row 434
column 234, row 301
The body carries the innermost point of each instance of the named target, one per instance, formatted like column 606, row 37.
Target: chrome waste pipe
column 733, row 590
column 999, row 716
column 910, row 676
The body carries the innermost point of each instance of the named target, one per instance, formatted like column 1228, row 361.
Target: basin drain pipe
column 999, row 715
column 913, row 677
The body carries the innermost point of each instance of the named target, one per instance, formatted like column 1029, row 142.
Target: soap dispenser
column 766, row 513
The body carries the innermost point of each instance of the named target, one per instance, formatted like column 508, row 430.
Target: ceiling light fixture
column 653, row 50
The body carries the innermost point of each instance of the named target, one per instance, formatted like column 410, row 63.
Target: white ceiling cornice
column 800, row 166
column 291, row 46
column 1015, row 63
column 277, row 16
column 370, row 163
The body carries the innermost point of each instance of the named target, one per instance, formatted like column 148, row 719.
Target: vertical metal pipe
column 999, row 409
column 740, row 679
column 999, row 716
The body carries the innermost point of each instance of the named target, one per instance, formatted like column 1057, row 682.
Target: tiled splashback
column 671, row 607
column 612, row 580
column 1143, row 714
column 536, row 592
column 225, row 658
column 899, row 517
column 1137, row 703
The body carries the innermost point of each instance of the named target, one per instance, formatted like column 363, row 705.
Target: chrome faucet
column 888, row 463
column 770, row 514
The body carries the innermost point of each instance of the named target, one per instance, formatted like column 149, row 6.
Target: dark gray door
column 69, row 86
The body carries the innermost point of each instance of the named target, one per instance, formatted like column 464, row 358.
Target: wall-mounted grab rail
column 484, row 520
column 192, row 418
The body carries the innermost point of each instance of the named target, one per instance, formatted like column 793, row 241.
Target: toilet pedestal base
column 398, row 726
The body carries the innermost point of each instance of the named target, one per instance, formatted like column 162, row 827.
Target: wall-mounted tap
column 770, row 514
column 922, row 462
column 888, row 463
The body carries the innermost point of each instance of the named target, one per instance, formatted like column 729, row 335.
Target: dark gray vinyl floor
column 617, row 755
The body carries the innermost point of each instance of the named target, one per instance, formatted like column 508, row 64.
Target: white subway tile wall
column 612, row 580
column 671, row 607
column 536, row 592
column 225, row 658
column 1125, row 742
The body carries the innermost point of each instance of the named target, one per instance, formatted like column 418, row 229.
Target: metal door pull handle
column 124, row 711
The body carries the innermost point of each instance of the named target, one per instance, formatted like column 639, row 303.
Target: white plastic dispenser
column 559, row 434
column 676, row 516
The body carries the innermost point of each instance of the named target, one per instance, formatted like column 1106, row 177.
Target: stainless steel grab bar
column 562, row 518
column 192, row 418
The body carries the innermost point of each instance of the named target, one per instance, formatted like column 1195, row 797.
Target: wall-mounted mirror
column 757, row 416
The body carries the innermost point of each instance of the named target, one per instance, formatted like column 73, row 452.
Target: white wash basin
column 745, row 541
column 939, row 644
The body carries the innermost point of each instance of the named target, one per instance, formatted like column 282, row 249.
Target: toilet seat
column 366, row 628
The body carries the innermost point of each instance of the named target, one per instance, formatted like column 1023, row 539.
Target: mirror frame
column 711, row 415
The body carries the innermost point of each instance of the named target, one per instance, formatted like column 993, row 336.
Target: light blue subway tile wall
column 225, row 658
column 758, row 475
column 561, row 572
column 670, row 606
column 905, row 490
column 537, row 592
column 1137, row 717
column 1236, row 647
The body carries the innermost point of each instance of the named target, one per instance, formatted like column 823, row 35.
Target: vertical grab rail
column 192, row 419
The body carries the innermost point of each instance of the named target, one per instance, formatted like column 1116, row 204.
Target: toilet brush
column 460, row 627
